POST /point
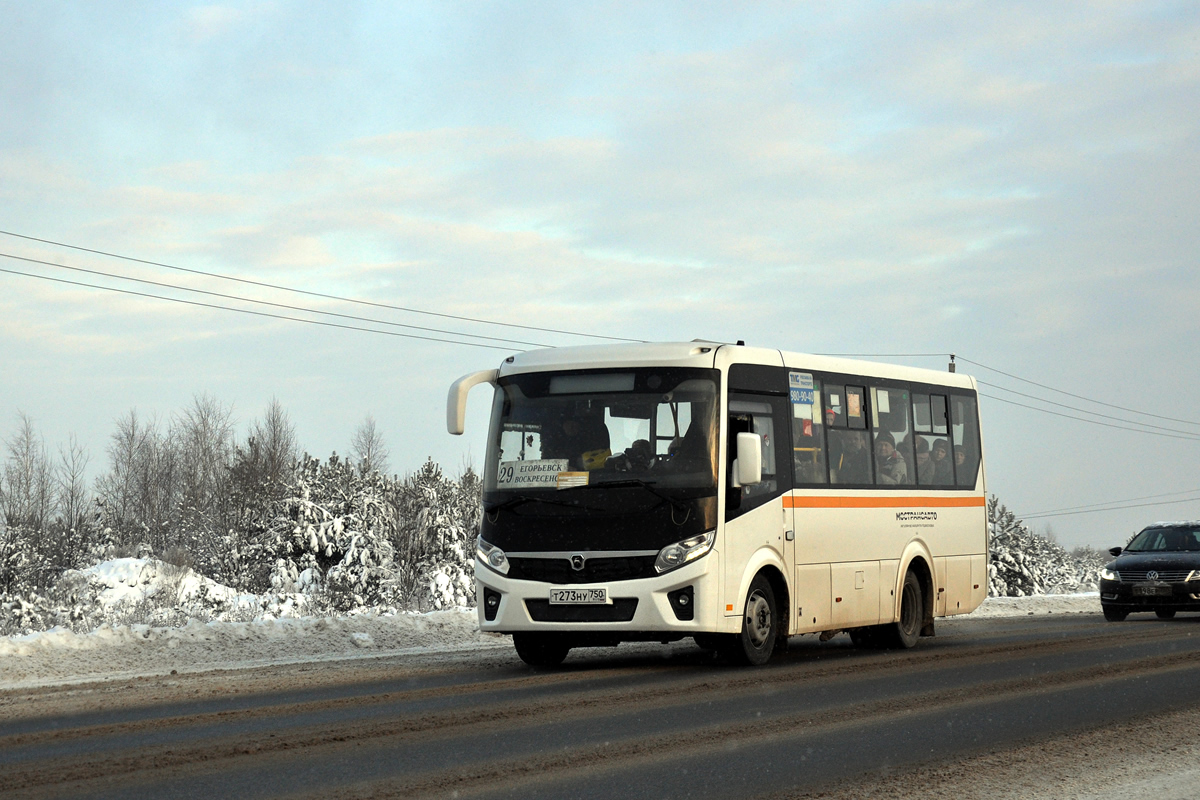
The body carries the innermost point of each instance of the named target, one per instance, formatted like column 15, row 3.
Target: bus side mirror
column 456, row 402
column 747, row 468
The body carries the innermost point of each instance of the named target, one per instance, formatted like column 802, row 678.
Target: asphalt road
column 1057, row 705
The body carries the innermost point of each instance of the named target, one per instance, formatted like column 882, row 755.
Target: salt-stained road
column 1021, row 707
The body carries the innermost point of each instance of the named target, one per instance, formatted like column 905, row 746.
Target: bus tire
column 541, row 649
column 905, row 632
column 760, row 623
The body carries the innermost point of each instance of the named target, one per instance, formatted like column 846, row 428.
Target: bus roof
column 706, row 354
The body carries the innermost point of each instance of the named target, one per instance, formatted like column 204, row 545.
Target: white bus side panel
column 855, row 593
column 813, row 599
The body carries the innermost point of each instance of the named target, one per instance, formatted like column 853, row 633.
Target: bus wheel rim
column 758, row 619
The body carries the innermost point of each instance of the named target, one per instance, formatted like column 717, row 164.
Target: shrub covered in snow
column 1023, row 563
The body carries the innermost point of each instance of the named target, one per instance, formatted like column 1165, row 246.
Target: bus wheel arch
column 920, row 567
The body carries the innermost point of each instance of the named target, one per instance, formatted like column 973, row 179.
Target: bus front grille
column 620, row 610
column 595, row 570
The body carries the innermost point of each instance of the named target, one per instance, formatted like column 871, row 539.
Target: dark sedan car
column 1159, row 571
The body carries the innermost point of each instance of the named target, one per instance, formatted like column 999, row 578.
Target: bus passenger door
column 755, row 517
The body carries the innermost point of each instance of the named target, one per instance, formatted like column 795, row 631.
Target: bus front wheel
column 760, row 621
column 541, row 649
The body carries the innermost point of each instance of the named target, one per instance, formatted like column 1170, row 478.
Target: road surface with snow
column 1031, row 698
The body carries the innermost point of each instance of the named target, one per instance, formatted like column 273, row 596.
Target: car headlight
column 680, row 553
column 1107, row 574
column 491, row 555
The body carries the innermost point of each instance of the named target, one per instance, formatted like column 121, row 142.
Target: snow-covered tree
column 1023, row 563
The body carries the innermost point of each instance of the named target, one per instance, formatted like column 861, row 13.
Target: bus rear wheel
column 760, row 625
column 541, row 649
column 907, row 630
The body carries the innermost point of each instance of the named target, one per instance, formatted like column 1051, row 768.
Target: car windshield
column 1172, row 539
column 636, row 427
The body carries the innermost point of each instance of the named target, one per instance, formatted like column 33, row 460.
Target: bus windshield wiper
column 519, row 499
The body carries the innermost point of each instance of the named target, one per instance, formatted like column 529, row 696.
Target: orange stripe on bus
column 883, row 502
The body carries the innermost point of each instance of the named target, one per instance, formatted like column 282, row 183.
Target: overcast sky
column 1014, row 183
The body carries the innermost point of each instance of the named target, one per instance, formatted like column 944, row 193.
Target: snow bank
column 118, row 652
column 122, row 651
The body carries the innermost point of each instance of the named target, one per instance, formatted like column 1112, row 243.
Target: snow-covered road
column 976, row 712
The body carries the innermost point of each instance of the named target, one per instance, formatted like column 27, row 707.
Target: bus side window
column 895, row 463
column 808, row 439
column 767, row 416
column 849, row 450
column 965, row 424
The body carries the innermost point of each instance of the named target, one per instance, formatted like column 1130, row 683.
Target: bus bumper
column 684, row 601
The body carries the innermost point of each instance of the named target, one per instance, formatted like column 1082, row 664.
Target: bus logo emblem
column 577, row 561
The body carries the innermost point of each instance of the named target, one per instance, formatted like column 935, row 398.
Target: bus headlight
column 680, row 553
column 1107, row 574
column 491, row 555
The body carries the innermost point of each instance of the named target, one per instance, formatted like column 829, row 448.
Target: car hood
column 1159, row 560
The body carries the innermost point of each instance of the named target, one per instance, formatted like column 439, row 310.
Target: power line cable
column 258, row 313
column 1185, row 436
column 877, row 355
column 1099, row 506
column 1084, row 410
column 1077, row 396
column 311, row 293
column 1117, row 508
column 266, row 302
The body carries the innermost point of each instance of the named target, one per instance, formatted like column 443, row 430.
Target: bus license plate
column 575, row 597
column 1152, row 590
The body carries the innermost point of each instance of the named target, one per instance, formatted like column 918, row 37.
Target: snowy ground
column 123, row 651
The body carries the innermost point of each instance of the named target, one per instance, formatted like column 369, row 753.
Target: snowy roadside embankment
column 132, row 616
column 123, row 651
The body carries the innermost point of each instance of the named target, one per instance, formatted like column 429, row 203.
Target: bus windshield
column 634, row 427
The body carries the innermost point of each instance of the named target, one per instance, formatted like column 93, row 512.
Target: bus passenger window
column 808, row 440
column 849, row 457
column 965, row 424
column 895, row 464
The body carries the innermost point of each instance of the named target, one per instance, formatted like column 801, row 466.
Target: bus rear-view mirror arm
column 747, row 468
column 456, row 402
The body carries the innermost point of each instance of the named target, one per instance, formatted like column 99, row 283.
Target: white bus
column 733, row 494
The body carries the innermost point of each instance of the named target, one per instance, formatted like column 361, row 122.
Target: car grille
column 595, row 570
column 1164, row 576
column 620, row 610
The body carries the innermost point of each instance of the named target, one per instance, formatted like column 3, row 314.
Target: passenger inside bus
column 890, row 467
column 852, row 463
column 939, row 456
column 925, row 466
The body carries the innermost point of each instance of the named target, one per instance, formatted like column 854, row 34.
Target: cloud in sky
column 1016, row 182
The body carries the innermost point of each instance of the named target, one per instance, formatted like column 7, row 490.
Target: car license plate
column 1152, row 590
column 576, row 597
